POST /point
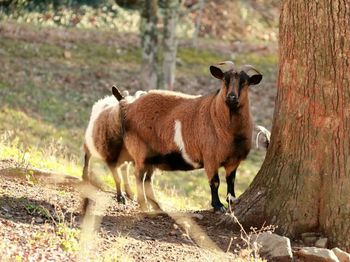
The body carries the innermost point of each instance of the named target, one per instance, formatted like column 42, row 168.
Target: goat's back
column 152, row 117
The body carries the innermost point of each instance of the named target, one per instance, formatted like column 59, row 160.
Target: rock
column 309, row 240
column 273, row 247
column 322, row 242
column 341, row 255
column 315, row 254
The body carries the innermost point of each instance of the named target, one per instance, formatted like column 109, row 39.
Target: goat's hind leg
column 124, row 171
column 148, row 175
column 87, row 156
column 116, row 177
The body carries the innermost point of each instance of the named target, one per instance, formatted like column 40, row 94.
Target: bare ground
column 36, row 219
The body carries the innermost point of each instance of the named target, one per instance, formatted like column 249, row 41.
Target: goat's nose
column 232, row 98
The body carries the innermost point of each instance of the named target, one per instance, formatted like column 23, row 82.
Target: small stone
column 322, row 242
column 67, row 54
column 310, row 234
column 309, row 240
column 172, row 233
column 39, row 220
column 315, row 254
column 273, row 246
column 341, row 255
column 198, row 216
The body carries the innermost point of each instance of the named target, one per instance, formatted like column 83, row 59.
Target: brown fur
column 107, row 135
column 207, row 128
column 216, row 131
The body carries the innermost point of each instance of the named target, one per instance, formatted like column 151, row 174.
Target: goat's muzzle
column 232, row 102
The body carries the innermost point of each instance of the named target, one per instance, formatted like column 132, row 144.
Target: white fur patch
column 181, row 145
column 172, row 93
column 130, row 99
column 97, row 109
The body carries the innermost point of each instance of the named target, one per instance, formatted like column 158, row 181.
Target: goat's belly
column 170, row 162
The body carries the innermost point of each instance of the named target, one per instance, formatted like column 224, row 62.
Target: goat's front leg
column 214, row 182
column 230, row 180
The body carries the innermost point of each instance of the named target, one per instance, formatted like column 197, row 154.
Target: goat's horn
column 254, row 75
column 250, row 70
column 226, row 66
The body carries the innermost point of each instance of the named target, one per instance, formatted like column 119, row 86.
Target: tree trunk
column 149, row 44
column 198, row 24
column 304, row 183
column 171, row 15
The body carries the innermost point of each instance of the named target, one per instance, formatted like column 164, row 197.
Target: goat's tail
column 116, row 92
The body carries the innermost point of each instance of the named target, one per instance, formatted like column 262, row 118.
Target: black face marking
column 170, row 162
column 233, row 92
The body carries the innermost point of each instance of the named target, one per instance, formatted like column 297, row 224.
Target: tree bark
column 304, row 182
column 198, row 24
column 149, row 44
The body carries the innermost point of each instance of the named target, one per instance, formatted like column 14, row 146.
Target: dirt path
column 41, row 221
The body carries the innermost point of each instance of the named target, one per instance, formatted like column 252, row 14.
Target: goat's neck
column 229, row 123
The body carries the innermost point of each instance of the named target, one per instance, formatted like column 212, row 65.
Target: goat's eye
column 242, row 83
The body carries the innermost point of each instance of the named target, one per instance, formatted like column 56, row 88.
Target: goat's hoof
column 121, row 199
column 144, row 207
column 231, row 200
column 220, row 210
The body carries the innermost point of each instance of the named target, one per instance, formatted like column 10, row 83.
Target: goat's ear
column 116, row 93
column 255, row 79
column 254, row 75
column 216, row 72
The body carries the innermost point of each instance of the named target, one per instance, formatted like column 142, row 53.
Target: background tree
column 171, row 16
column 149, row 44
column 304, row 182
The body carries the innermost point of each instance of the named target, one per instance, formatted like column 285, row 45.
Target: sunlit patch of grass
column 69, row 237
column 52, row 157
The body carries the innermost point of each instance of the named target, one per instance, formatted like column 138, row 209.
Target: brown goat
column 173, row 131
